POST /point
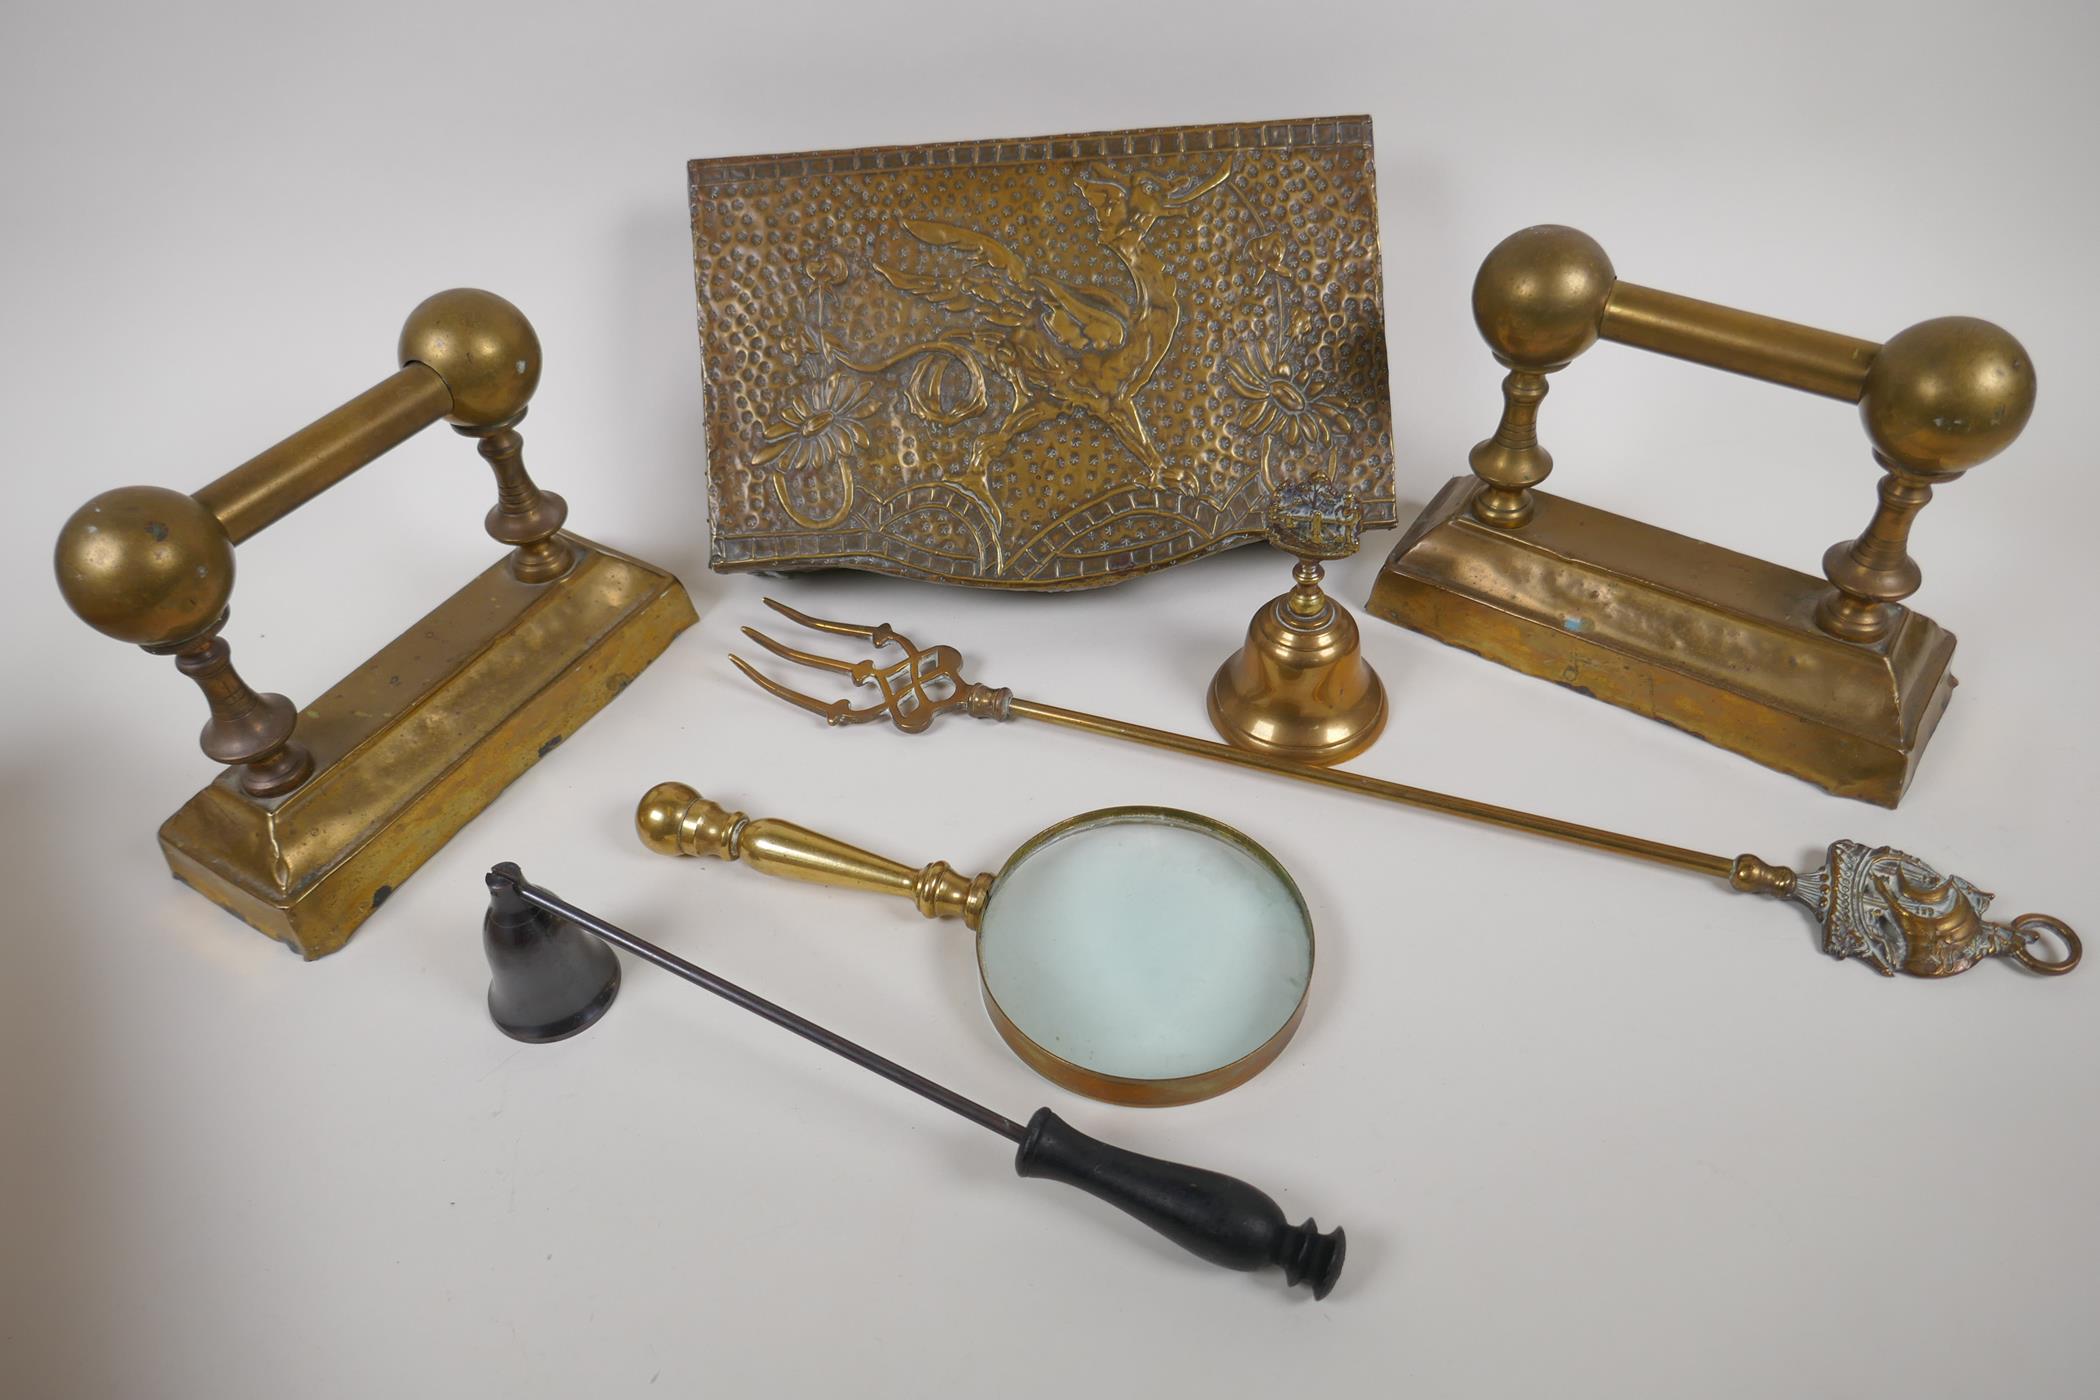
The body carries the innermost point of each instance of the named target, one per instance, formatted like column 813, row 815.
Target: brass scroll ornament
column 1879, row 905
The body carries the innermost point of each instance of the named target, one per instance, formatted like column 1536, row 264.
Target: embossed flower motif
column 818, row 427
column 1283, row 398
column 1267, row 256
column 829, row 269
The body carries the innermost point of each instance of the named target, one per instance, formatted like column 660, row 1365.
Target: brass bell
column 1299, row 687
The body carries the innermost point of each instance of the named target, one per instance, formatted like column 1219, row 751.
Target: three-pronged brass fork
column 1877, row 904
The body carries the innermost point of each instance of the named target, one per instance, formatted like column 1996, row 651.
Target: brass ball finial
column 1946, row 395
column 1939, row 398
column 674, row 820
column 482, row 347
column 1539, row 297
column 145, row 565
column 660, row 815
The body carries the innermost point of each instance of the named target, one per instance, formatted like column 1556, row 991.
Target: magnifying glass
column 1139, row 955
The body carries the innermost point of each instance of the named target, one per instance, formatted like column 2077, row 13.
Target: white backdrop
column 1592, row 1128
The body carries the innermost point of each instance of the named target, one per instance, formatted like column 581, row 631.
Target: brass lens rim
column 1122, row 1089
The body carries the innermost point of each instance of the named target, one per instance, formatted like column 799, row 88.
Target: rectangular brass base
column 409, row 747
column 1719, row 644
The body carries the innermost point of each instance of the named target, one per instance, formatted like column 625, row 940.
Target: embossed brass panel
column 1831, row 679
column 1045, row 364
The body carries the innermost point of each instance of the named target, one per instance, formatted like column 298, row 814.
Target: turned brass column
column 489, row 358
column 1538, row 300
column 154, row 567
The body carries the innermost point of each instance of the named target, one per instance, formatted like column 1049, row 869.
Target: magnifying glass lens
column 1143, row 946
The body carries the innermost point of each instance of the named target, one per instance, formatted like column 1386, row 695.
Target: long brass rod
column 1742, row 342
column 277, row 481
column 1720, row 867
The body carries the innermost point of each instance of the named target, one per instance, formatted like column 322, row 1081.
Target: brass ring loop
column 2073, row 949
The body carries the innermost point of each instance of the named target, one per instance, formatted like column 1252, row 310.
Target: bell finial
column 1299, row 687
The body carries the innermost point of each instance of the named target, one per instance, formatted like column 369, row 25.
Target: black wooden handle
column 1215, row 1216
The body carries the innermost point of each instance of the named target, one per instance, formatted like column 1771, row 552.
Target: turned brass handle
column 1937, row 399
column 154, row 567
column 675, row 820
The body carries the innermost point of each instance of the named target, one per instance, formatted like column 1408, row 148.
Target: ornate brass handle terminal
column 1936, row 399
column 154, row 567
column 1877, row 904
column 675, row 820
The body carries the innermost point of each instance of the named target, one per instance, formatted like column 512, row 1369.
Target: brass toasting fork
column 1876, row 903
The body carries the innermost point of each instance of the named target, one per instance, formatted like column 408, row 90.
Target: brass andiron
column 322, row 813
column 1830, row 679
column 1300, row 687
column 1877, row 904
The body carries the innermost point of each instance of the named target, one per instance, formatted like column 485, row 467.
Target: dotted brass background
column 831, row 442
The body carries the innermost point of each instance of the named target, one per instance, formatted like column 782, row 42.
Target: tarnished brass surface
column 673, row 819
column 484, row 349
column 1741, row 342
column 1836, row 682
column 154, row 567
column 1894, row 912
column 1047, row 363
column 287, row 839
column 1923, row 932
column 415, row 742
column 1715, row 643
column 146, row 565
column 1299, row 685
column 274, row 483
